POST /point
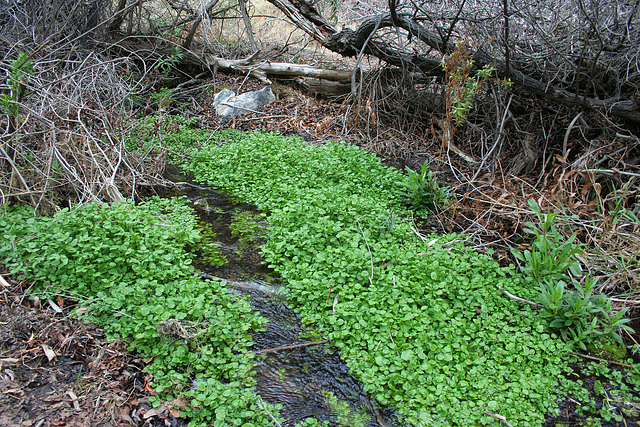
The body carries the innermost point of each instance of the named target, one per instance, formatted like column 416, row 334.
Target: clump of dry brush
column 515, row 144
column 65, row 109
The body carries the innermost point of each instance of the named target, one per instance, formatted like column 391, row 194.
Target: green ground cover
column 128, row 267
column 419, row 319
column 421, row 322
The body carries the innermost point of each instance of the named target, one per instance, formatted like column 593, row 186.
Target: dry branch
column 351, row 42
column 600, row 359
column 291, row 347
column 70, row 145
column 499, row 417
column 260, row 69
column 515, row 298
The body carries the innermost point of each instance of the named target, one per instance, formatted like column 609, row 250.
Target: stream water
column 309, row 379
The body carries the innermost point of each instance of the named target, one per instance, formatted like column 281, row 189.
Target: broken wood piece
column 74, row 399
column 284, row 69
column 324, row 87
column 498, row 417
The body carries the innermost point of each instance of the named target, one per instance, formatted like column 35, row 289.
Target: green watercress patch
column 127, row 266
column 422, row 324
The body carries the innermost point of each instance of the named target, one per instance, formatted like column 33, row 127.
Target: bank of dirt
column 58, row 371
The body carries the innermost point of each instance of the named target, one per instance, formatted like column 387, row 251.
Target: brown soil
column 58, row 371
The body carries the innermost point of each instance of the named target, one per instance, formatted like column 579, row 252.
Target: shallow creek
column 306, row 376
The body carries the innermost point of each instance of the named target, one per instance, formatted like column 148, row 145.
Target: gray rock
column 228, row 105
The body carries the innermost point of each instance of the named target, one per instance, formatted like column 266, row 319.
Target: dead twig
column 264, row 408
column 291, row 347
column 599, row 359
column 502, row 419
column 515, row 298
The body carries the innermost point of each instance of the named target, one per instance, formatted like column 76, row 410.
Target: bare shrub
column 67, row 114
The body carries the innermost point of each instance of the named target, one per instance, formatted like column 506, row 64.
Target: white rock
column 227, row 104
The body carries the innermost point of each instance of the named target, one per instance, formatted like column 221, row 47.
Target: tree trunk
column 118, row 17
column 196, row 23
column 247, row 24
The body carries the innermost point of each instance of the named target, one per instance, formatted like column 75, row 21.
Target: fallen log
column 324, row 87
column 314, row 79
column 260, row 69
